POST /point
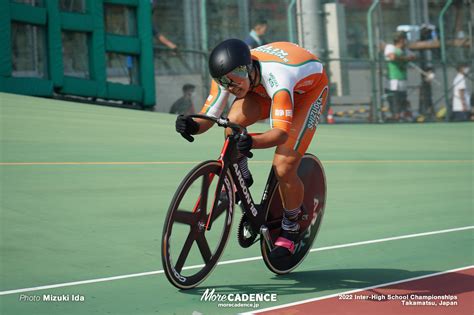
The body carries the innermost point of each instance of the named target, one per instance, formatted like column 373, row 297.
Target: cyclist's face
column 239, row 85
column 236, row 82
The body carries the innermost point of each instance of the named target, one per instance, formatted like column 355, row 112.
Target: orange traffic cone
column 330, row 117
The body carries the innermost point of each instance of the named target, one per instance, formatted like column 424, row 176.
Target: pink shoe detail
column 286, row 243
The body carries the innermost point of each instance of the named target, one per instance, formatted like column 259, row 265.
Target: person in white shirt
column 461, row 110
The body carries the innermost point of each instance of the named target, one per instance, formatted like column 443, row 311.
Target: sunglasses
column 227, row 83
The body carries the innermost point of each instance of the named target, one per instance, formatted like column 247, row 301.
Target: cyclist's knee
column 286, row 171
column 286, row 162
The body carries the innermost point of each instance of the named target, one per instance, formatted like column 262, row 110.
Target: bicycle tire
column 173, row 266
column 312, row 174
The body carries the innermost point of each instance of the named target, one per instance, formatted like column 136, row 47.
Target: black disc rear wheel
column 312, row 175
column 189, row 250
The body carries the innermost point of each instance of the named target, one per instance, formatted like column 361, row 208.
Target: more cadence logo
column 237, row 299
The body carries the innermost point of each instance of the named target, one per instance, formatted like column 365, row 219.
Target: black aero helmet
column 227, row 56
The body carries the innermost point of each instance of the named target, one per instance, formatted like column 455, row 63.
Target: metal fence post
column 374, row 105
column 443, row 57
column 203, row 16
column 291, row 23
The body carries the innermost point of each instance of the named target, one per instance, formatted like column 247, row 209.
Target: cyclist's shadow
column 332, row 281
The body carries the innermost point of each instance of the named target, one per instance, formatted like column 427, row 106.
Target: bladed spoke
column 185, row 251
column 204, row 248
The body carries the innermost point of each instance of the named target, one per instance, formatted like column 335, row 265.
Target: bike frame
column 228, row 159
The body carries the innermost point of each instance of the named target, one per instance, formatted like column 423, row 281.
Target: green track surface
column 62, row 223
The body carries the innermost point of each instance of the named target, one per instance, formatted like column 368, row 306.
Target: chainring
column 245, row 235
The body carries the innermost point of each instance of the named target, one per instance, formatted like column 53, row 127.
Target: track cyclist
column 280, row 81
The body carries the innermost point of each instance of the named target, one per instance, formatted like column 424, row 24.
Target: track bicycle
column 199, row 218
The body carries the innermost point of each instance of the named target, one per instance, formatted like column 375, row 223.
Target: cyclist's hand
column 244, row 145
column 186, row 126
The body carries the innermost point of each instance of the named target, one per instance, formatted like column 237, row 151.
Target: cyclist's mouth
column 238, row 93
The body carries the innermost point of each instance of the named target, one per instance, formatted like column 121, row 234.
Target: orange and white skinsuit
column 293, row 90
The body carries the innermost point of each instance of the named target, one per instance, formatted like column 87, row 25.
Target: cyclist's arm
column 271, row 138
column 214, row 106
column 204, row 125
column 281, row 119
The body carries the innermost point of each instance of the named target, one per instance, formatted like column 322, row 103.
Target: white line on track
column 234, row 261
column 357, row 290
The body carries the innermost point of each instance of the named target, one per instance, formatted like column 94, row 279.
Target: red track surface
column 446, row 294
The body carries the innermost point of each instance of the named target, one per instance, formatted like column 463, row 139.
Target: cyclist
column 280, row 81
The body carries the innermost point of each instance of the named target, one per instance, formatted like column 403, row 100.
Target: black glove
column 186, row 126
column 245, row 143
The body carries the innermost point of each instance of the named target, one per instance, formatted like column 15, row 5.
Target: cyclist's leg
column 286, row 162
column 287, row 158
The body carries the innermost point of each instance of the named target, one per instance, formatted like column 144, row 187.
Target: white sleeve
column 216, row 102
column 461, row 84
column 389, row 49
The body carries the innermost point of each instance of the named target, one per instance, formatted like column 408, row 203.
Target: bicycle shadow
column 339, row 280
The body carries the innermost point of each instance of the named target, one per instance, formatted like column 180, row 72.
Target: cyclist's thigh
column 286, row 161
column 248, row 110
column 307, row 112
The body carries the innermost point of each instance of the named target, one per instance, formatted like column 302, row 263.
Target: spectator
column 255, row 37
column 163, row 39
column 461, row 102
column 156, row 34
column 426, row 102
column 184, row 105
column 398, row 57
column 156, row 31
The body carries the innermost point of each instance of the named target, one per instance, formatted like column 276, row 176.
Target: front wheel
column 190, row 250
column 312, row 175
